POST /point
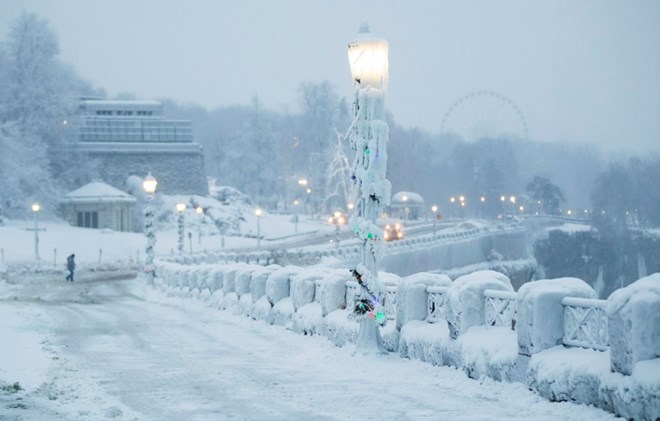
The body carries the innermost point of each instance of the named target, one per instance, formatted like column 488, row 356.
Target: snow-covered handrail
column 585, row 323
column 435, row 307
column 390, row 301
column 500, row 308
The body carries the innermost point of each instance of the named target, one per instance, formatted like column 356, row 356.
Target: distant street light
column 258, row 212
column 36, row 208
column 434, row 208
column 180, row 209
column 200, row 213
column 337, row 219
column 149, row 185
column 404, row 198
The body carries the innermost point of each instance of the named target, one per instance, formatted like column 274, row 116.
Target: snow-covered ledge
column 412, row 296
column 465, row 300
column 633, row 316
column 540, row 323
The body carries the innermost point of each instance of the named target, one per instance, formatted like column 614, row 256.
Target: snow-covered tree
column 339, row 187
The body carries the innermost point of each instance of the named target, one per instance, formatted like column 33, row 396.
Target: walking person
column 70, row 266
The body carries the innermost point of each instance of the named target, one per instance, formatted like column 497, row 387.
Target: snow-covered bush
column 412, row 298
column 464, row 301
column 540, row 320
column 633, row 315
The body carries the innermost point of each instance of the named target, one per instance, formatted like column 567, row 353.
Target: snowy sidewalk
column 134, row 353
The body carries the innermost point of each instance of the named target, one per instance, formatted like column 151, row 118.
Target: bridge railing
column 585, row 323
column 435, row 309
column 500, row 308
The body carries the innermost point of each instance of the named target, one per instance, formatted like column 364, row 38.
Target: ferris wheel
column 485, row 114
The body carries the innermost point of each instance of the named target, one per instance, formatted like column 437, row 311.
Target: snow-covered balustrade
column 435, row 303
column 465, row 302
column 500, row 308
column 585, row 323
column 353, row 291
column 540, row 318
column 633, row 316
column 390, row 301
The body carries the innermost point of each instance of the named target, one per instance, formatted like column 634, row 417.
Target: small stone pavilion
column 407, row 202
column 99, row 205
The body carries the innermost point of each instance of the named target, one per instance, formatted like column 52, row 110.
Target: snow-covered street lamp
column 180, row 210
column 36, row 208
column 406, row 210
column 149, row 185
column 368, row 57
column 337, row 219
column 258, row 212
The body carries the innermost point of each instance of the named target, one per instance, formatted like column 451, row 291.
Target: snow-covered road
column 123, row 350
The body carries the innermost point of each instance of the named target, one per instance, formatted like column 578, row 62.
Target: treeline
column 265, row 152
column 38, row 92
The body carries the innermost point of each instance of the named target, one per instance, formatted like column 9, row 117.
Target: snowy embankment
column 312, row 300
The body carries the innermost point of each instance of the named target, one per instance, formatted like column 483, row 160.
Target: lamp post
column 302, row 182
column 149, row 185
column 434, row 208
column 180, row 209
column 482, row 200
column 36, row 208
column 200, row 213
column 258, row 212
column 404, row 198
column 295, row 215
column 503, row 200
column 512, row 199
column 368, row 137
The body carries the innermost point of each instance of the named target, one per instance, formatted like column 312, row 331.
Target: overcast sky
column 578, row 70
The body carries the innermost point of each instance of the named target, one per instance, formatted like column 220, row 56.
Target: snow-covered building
column 99, row 205
column 134, row 138
column 407, row 202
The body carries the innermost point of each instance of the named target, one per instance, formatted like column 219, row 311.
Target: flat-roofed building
column 134, row 138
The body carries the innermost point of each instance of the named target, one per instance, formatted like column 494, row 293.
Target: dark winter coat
column 70, row 263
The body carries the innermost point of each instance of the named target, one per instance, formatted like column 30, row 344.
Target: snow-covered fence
column 553, row 316
column 390, row 301
column 585, row 323
column 435, row 303
column 500, row 308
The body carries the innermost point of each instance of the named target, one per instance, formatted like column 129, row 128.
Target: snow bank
column 412, row 298
column 633, row 315
column 464, row 301
column 540, row 319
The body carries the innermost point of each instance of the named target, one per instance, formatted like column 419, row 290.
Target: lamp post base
column 369, row 340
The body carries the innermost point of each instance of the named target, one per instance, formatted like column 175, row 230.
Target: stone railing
column 435, row 303
column 585, row 323
column 436, row 318
column 500, row 308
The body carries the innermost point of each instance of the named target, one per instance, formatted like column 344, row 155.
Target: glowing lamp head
column 308, row 191
column 180, row 207
column 337, row 214
column 367, row 56
column 482, row 198
column 351, row 206
column 258, row 212
column 502, row 198
column 452, row 199
column 404, row 198
column 149, row 184
column 199, row 210
column 36, row 207
column 513, row 199
column 462, row 198
column 434, row 208
column 522, row 209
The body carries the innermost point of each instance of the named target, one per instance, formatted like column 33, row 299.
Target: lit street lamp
column 258, row 212
column 434, row 208
column 368, row 138
column 406, row 210
column 295, row 217
column 36, row 208
column 149, row 185
column 180, row 209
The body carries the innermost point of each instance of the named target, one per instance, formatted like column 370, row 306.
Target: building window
column 88, row 219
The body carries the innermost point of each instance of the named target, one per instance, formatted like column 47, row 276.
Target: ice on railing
column 500, row 308
column 436, row 303
column 585, row 323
